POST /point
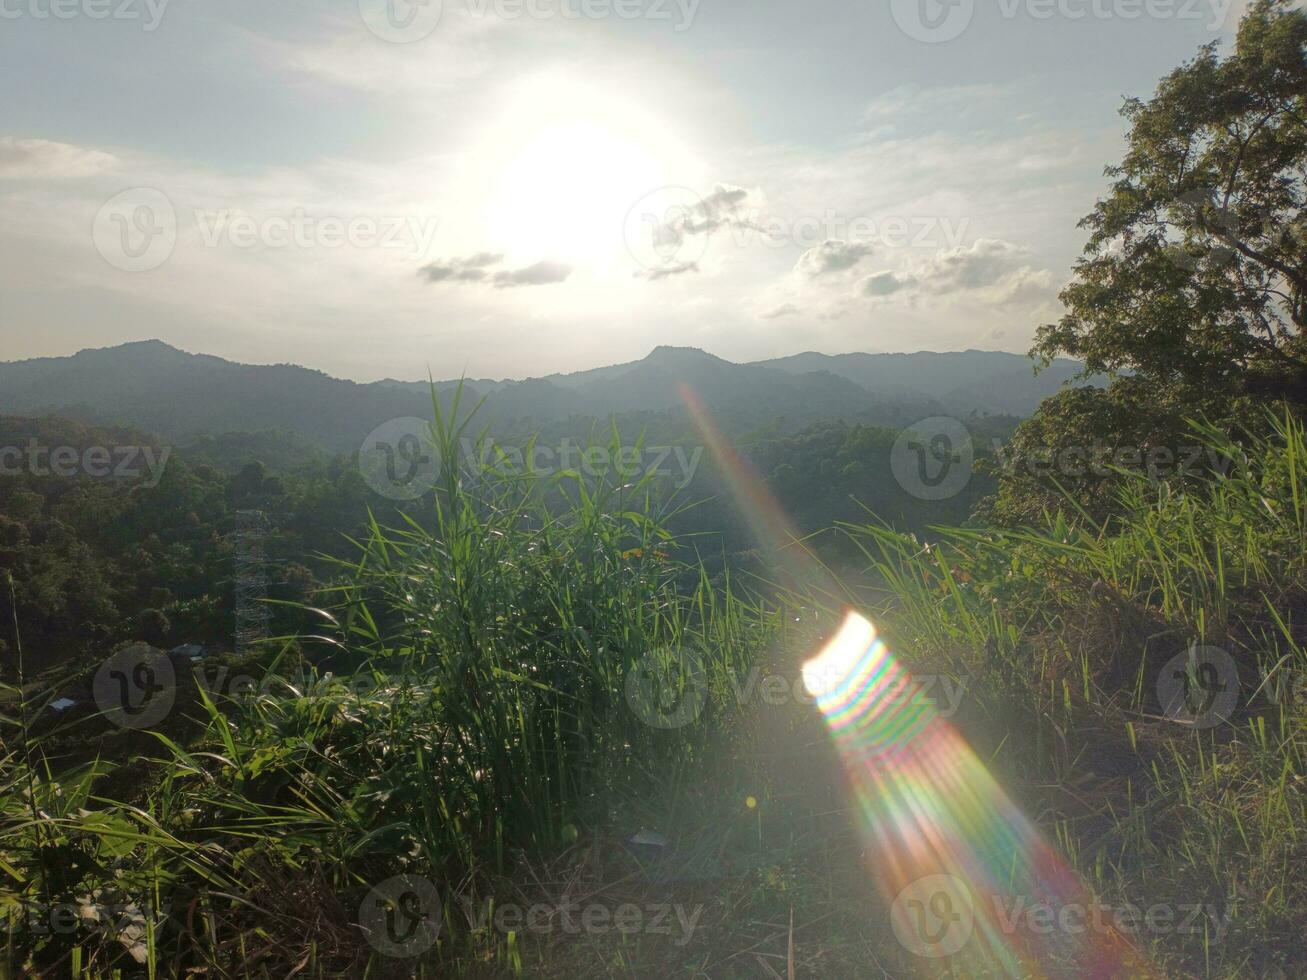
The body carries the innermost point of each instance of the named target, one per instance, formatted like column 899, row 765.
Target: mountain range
column 178, row 395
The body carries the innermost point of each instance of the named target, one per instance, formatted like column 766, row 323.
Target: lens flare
column 974, row 890
column 972, row 884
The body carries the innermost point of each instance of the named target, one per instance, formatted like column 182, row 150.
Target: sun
column 564, row 164
column 568, row 189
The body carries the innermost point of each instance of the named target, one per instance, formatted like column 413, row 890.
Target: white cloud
column 27, row 159
column 988, row 271
column 776, row 312
column 982, row 264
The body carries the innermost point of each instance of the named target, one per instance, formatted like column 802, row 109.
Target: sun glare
column 835, row 664
column 564, row 164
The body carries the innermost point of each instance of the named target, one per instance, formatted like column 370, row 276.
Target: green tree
column 1195, row 273
column 1191, row 294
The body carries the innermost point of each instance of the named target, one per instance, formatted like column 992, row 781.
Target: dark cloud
column 666, row 272
column 540, row 274
column 470, row 269
column 885, row 283
column 725, row 207
column 476, row 269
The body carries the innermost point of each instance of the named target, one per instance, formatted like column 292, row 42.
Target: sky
column 510, row 188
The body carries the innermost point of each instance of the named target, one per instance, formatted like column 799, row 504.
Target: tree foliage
column 1191, row 294
column 1195, row 273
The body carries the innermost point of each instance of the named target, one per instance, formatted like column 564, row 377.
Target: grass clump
column 1139, row 682
column 513, row 675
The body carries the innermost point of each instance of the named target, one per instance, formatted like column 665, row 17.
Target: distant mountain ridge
column 179, row 396
column 990, row 381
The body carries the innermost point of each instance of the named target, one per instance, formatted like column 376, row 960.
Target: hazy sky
column 515, row 187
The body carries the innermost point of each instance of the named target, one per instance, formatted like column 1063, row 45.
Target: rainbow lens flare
column 974, row 889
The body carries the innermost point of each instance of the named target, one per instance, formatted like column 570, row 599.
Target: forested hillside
column 179, row 396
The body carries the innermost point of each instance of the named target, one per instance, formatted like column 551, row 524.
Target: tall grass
column 478, row 688
column 1064, row 630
